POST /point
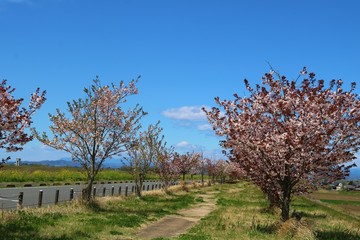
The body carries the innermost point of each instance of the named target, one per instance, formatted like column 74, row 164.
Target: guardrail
column 96, row 192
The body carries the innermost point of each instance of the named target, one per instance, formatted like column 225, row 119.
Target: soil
column 174, row 225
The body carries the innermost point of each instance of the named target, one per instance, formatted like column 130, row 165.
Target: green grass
column 37, row 173
column 341, row 202
column 344, row 201
column 241, row 213
column 107, row 219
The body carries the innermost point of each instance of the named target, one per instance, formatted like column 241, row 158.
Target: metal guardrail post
column 57, row 196
column 20, row 200
column 40, row 198
column 71, row 194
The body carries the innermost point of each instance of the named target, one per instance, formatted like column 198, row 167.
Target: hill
column 66, row 162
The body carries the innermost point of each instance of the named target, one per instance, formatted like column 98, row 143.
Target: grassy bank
column 109, row 218
column 241, row 214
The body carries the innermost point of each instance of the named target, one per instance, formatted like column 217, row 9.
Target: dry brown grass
column 65, row 208
column 242, row 214
column 294, row 229
column 335, row 195
column 346, row 202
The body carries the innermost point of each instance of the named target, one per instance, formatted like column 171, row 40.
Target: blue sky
column 187, row 53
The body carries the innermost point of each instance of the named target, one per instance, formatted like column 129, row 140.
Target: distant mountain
column 53, row 163
column 117, row 163
column 67, row 162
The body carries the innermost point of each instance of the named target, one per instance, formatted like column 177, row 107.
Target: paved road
column 9, row 196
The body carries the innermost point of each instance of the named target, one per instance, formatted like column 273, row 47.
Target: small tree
column 210, row 165
column 14, row 119
column 202, row 168
column 286, row 136
column 221, row 170
column 167, row 170
column 186, row 163
column 143, row 155
column 234, row 171
column 97, row 129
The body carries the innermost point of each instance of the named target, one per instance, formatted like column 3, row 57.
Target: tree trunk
column 138, row 189
column 86, row 192
column 139, row 184
column 166, row 186
column 285, row 205
column 285, row 210
column 184, row 177
column 202, row 178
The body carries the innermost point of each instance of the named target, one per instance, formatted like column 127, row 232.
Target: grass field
column 109, row 218
column 241, row 214
column 37, row 173
column 348, row 202
column 48, row 174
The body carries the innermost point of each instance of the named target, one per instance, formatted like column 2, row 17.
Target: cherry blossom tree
column 201, row 166
column 144, row 154
column 210, row 165
column 221, row 170
column 97, row 128
column 14, row 119
column 234, row 171
column 167, row 170
column 186, row 163
column 288, row 134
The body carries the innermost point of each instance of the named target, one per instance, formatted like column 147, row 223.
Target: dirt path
column 174, row 225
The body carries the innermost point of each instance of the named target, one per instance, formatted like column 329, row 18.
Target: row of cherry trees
column 96, row 128
column 286, row 136
column 150, row 153
column 173, row 166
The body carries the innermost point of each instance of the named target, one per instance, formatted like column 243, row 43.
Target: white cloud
column 190, row 113
column 214, row 154
column 46, row 148
column 183, row 144
column 204, row 127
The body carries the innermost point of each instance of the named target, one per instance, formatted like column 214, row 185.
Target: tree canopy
column 289, row 134
column 98, row 127
column 14, row 119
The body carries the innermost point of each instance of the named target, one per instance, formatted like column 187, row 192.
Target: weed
column 113, row 232
column 199, row 199
column 337, row 233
